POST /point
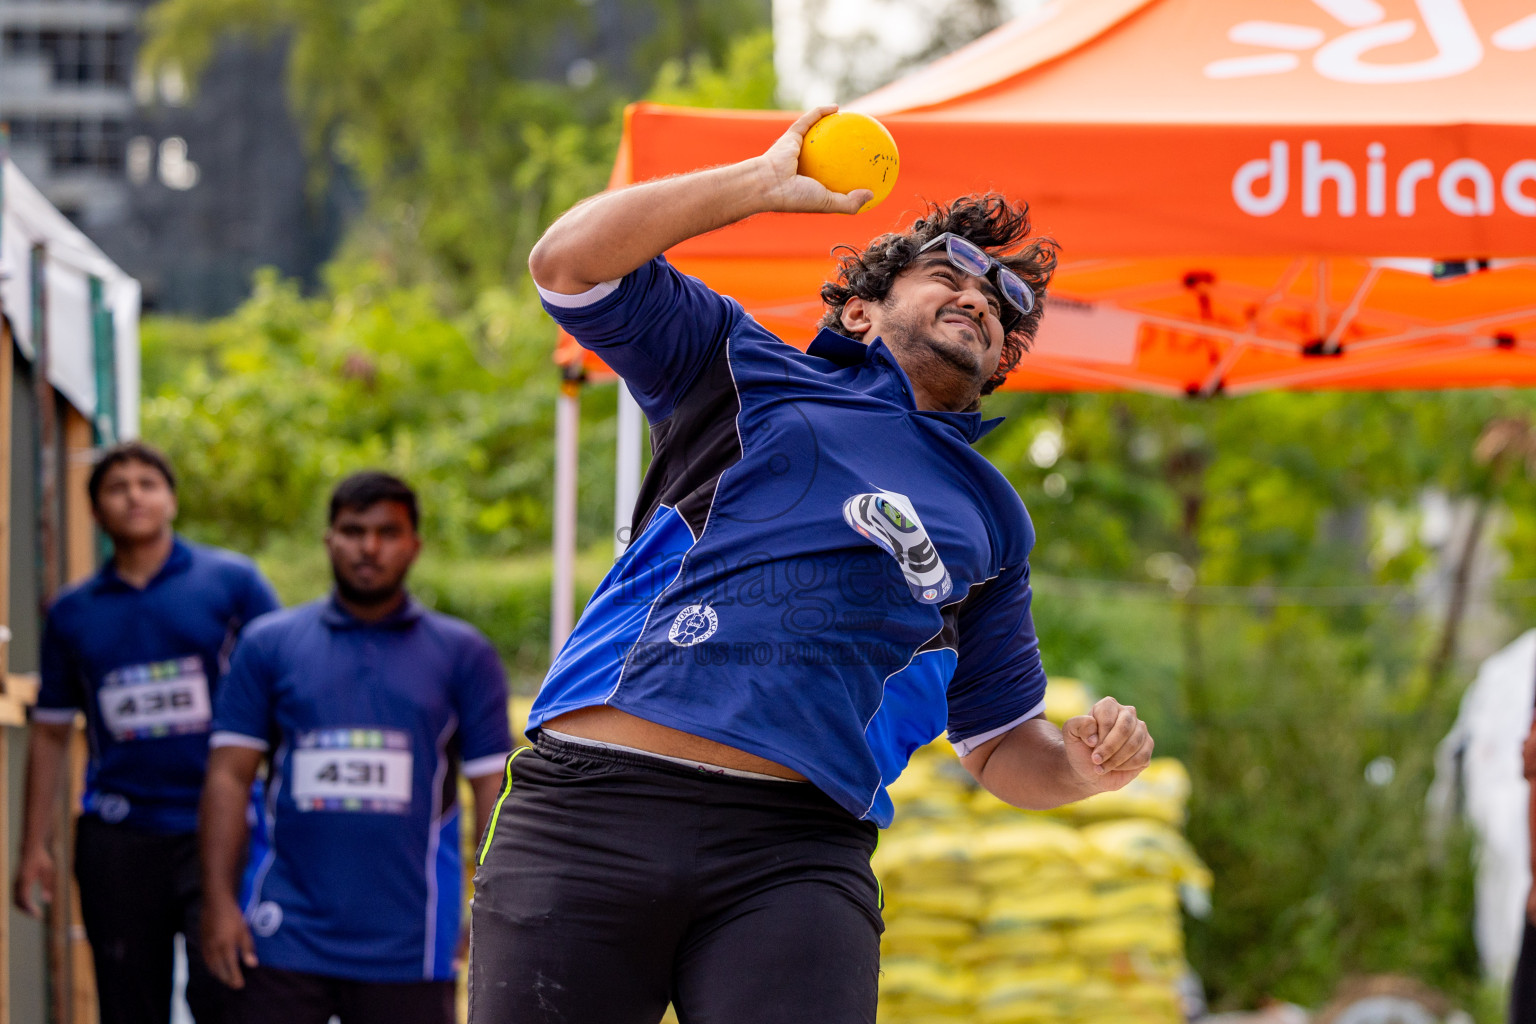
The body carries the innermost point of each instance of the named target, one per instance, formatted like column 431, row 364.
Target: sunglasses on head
column 966, row 255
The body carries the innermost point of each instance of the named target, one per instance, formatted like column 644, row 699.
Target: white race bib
column 163, row 698
column 352, row 770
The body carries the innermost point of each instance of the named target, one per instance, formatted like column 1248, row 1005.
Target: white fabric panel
column 28, row 219
column 598, row 291
column 964, row 747
column 71, row 344
column 480, row 767
column 223, row 738
column 1485, row 741
column 1088, row 331
column 40, row 222
column 124, row 297
column 16, row 277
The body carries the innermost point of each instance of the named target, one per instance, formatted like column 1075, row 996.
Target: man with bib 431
column 139, row 648
column 368, row 708
column 824, row 576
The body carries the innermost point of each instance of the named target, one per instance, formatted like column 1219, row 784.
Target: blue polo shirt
column 369, row 726
column 821, row 573
column 144, row 666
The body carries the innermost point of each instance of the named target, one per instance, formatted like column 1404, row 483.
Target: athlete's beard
column 938, row 363
column 366, row 597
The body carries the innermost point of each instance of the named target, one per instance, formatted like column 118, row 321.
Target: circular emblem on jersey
column 112, row 808
column 266, row 919
column 693, row 625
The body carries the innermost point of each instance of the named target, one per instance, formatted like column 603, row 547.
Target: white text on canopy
column 1466, row 187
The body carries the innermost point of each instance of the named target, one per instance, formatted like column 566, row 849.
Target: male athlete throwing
column 824, row 577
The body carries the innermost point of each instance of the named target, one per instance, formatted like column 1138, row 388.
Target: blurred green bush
column 426, row 353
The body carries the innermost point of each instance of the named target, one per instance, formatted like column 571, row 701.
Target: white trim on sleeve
column 480, row 767
column 236, row 739
column 970, row 743
column 591, row 296
column 55, row 716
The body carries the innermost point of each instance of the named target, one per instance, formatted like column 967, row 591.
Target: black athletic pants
column 1522, row 994
column 275, row 996
column 611, row 883
column 137, row 891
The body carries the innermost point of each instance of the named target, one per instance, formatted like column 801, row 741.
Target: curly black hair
column 989, row 220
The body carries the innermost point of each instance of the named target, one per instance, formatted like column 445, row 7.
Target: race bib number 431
column 352, row 770
column 163, row 698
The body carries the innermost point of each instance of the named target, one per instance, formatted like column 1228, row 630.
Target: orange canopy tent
column 1249, row 194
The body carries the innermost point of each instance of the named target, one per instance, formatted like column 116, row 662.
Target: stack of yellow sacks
column 999, row 916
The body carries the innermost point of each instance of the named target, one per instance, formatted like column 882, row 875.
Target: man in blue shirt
column 824, row 577
column 139, row 648
column 368, row 708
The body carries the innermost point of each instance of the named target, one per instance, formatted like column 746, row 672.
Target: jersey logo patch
column 112, row 808
column 693, row 625
column 266, row 919
column 888, row 519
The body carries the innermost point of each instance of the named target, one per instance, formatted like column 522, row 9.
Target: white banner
column 1087, row 331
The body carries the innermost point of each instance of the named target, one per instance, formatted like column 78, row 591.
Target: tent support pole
column 626, row 468
column 1512, row 316
column 563, row 591
column 1322, row 298
column 1217, row 378
column 1352, row 310
column 1332, row 378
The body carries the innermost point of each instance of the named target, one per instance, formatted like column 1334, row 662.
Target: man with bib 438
column 824, row 576
column 139, row 648
column 369, row 708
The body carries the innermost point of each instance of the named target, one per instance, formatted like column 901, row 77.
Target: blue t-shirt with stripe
column 144, row 666
column 368, row 726
column 821, row 573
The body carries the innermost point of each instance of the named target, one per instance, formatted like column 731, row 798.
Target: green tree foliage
column 1242, row 570
column 453, row 114
column 744, row 80
column 1228, row 567
column 265, row 409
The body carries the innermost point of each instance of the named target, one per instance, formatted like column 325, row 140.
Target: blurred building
column 833, row 51
column 189, row 193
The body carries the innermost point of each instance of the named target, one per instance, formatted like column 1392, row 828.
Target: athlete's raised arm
column 613, row 233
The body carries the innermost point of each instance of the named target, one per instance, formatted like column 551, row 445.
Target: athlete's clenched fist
column 1109, row 746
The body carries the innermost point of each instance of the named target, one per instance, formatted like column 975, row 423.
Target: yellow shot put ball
column 847, row 151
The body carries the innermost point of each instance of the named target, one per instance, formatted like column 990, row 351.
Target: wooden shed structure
column 69, row 382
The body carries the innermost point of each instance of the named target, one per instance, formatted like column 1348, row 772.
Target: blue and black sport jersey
column 144, row 666
column 821, row 574
column 369, row 726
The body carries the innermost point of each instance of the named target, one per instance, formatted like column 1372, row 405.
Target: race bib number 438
column 163, row 698
column 352, row 770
